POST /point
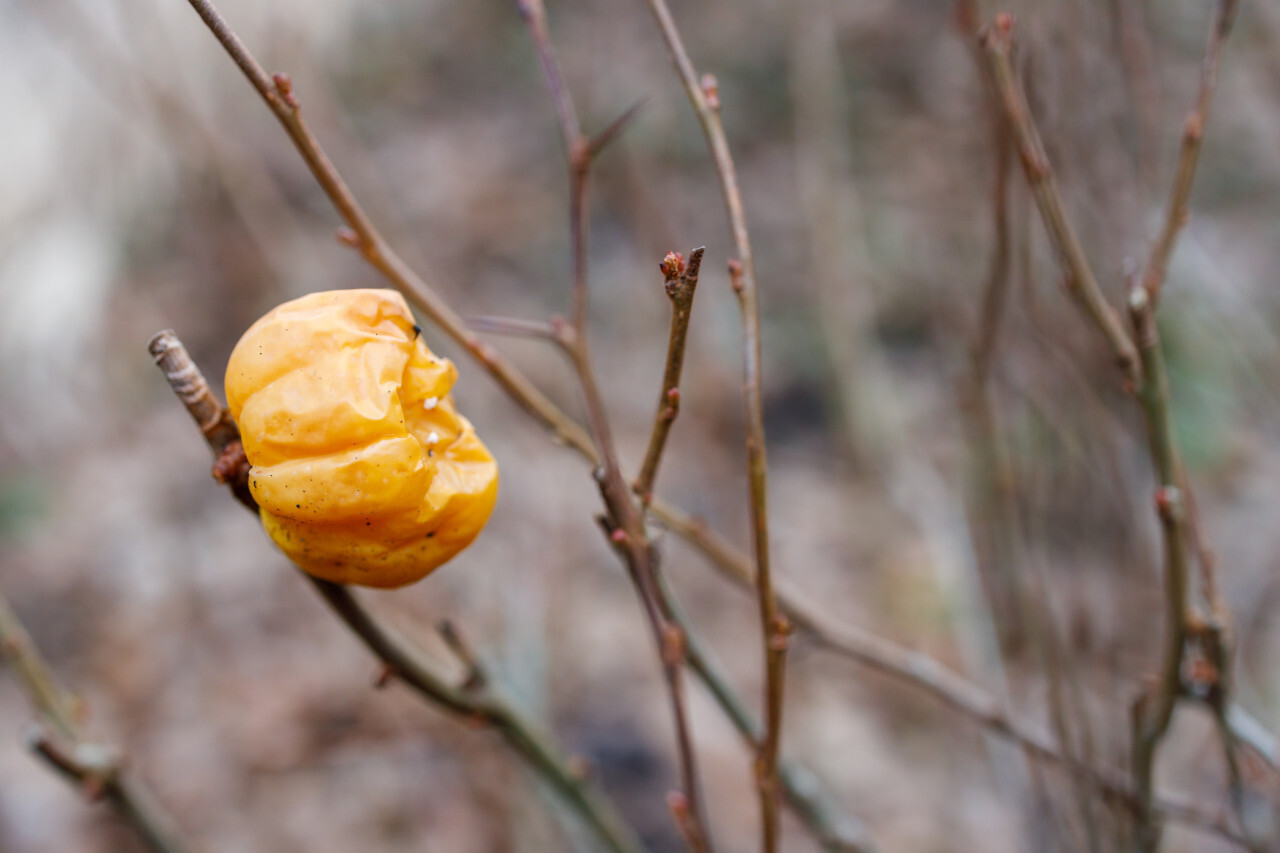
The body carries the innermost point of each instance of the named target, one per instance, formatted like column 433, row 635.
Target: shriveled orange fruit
column 364, row 471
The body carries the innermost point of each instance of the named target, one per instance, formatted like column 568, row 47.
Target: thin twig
column 625, row 521
column 362, row 235
column 681, row 283
column 836, row 831
column 704, row 96
column 997, row 41
column 516, row 327
column 998, row 524
column 1176, row 213
column 99, row 771
column 476, row 699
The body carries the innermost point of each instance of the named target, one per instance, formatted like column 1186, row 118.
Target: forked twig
column 476, row 699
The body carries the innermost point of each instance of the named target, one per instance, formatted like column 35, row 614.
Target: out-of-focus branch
column 997, row 42
column 1154, row 711
column 704, row 96
column 476, row 699
column 681, row 283
column 99, row 771
column 923, row 672
column 1148, row 377
column 1176, row 213
column 516, row 327
column 1021, row 597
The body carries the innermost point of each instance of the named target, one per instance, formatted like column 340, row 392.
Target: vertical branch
column 1176, row 213
column 990, row 495
column 1154, row 711
column 1148, row 377
column 835, row 232
column 99, row 771
column 681, row 282
column 624, row 521
column 1015, row 596
column 834, row 830
column 997, row 41
column 705, row 98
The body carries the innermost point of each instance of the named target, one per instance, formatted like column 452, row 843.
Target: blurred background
column 966, row 480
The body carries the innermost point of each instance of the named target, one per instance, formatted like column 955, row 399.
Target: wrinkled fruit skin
column 364, row 471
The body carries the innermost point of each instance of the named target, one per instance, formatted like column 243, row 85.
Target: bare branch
column 681, row 283
column 364, row 236
column 898, row 662
column 1148, row 377
column 704, row 96
column 1177, row 213
column 997, row 41
column 836, row 831
column 556, row 331
column 1153, row 712
column 99, row 771
column 923, row 672
column 624, row 522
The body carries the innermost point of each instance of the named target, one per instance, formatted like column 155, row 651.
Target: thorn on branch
column 613, row 130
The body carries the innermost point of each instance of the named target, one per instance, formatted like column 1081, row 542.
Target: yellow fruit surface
column 364, row 471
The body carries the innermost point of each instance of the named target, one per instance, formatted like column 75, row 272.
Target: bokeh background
column 143, row 185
